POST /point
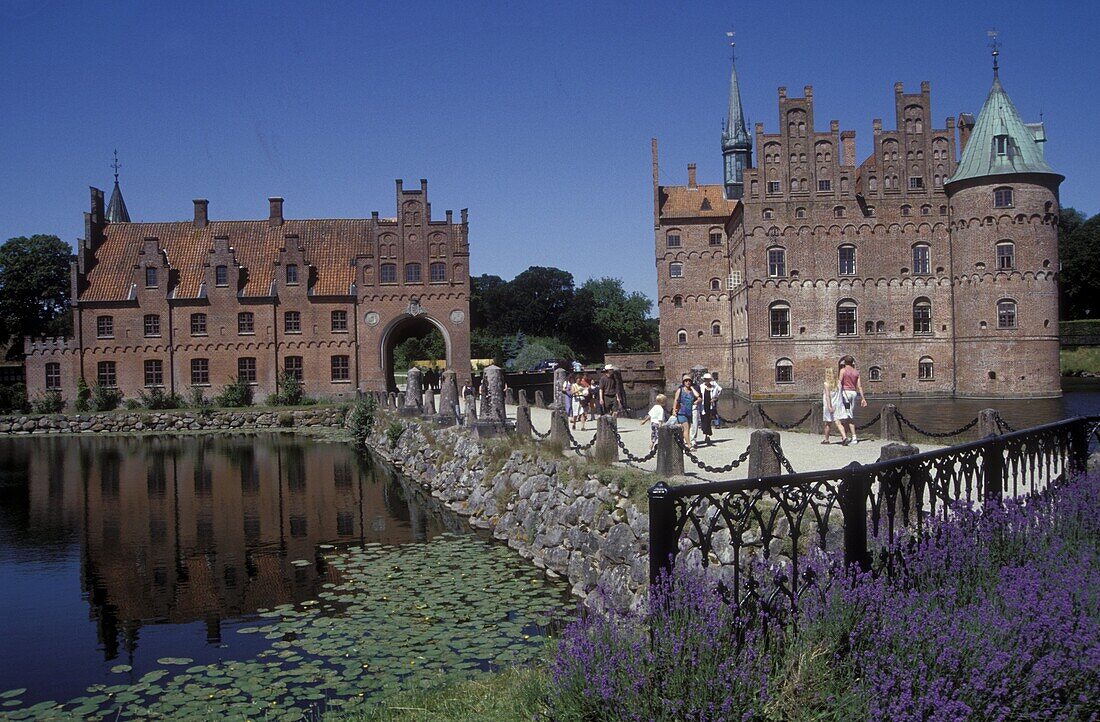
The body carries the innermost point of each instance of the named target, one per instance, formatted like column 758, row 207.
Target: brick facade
column 197, row 303
column 884, row 260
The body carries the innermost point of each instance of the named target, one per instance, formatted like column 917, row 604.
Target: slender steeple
column 116, row 209
column 736, row 142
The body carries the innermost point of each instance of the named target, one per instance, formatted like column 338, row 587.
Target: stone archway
column 405, row 327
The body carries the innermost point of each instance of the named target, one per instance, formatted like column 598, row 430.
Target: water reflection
column 186, row 530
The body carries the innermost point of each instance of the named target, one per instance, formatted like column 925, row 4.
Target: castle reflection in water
column 203, row 528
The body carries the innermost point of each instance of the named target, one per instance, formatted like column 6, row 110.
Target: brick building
column 932, row 261
column 202, row 302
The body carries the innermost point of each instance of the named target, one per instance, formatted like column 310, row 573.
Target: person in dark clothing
column 609, row 391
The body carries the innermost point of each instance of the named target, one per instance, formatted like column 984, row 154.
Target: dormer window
column 292, row 274
column 1000, row 142
column 150, row 277
column 221, row 276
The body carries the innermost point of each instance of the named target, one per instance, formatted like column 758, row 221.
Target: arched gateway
column 199, row 303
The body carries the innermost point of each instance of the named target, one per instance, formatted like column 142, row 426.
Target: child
column 656, row 418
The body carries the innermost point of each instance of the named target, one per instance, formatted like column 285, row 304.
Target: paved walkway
column 804, row 450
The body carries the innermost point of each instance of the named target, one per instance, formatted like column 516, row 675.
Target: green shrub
column 13, row 399
column 290, row 389
column 132, row 404
column 361, row 418
column 105, row 398
column 157, row 399
column 83, row 395
column 286, row 419
column 235, row 394
column 393, row 433
column 51, row 402
column 196, row 397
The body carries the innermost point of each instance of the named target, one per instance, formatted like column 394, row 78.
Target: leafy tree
column 488, row 296
column 431, row 347
column 537, row 300
column 1079, row 251
column 34, row 287
column 602, row 311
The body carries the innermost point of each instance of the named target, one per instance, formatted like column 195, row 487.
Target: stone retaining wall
column 579, row 528
column 118, row 422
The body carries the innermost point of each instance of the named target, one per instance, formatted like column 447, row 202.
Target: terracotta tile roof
column 704, row 200
column 330, row 245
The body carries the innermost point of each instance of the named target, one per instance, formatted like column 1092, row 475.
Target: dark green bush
column 237, row 393
column 157, row 398
column 394, row 432
column 361, row 418
column 105, row 398
column 83, row 395
column 13, row 399
column 196, row 398
column 51, row 402
column 132, row 404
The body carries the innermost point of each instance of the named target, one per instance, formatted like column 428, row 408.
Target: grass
column 1081, row 360
column 511, row 695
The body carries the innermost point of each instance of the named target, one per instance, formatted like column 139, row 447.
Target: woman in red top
column 850, row 388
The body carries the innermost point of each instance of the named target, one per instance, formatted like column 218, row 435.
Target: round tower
column 1004, row 237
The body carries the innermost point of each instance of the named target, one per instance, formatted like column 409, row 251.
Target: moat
column 225, row 575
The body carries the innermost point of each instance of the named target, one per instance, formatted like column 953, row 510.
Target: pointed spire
column 996, row 46
column 116, row 209
column 736, row 134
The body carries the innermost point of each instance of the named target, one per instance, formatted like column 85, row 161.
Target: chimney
column 966, row 125
column 808, row 92
column 848, row 147
column 201, row 215
column 275, row 217
column 691, row 176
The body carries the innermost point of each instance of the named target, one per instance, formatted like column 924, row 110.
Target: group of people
column 695, row 411
column 586, row 399
column 839, row 395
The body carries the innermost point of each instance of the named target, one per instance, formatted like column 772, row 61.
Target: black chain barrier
column 631, row 457
column 935, row 434
column 1002, row 425
column 576, row 445
column 869, row 424
column 539, row 435
column 707, row 467
column 738, row 420
column 780, row 455
column 784, row 427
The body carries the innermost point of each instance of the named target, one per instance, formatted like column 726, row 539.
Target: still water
column 127, row 564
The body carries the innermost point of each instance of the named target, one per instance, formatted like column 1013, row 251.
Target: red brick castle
column 933, row 261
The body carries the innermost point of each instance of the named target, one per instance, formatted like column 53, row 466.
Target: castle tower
column 116, row 209
column 736, row 141
column 1004, row 234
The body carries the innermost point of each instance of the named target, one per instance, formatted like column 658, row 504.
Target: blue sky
column 535, row 116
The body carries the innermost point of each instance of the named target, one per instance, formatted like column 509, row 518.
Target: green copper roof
column 1001, row 142
column 735, row 134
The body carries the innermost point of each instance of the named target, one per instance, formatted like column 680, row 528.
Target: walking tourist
column 708, row 408
column 850, row 388
column 656, row 419
column 580, row 402
column 567, row 396
column 609, row 392
column 687, row 400
column 830, row 399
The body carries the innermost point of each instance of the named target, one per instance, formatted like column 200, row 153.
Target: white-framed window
column 800, row 212
column 922, row 316
column 150, row 277
column 1000, row 144
column 926, row 369
column 53, row 375
column 768, row 214
column 715, row 328
column 154, row 372
column 105, row 374
column 1006, row 313
column 777, row 263
column 105, row 327
column 1002, row 198
column 246, row 323
column 200, row 371
column 198, row 324
column 874, row 373
column 672, row 240
column 339, row 320
column 340, row 368
column 716, row 238
column 716, row 284
column 246, row 369
column 293, row 366
column 292, row 274
column 784, row 371
column 387, row 273
column 916, row 182
column 292, row 322
column 824, row 185
column 151, row 324
column 922, row 259
column 773, row 186
column 846, row 318
column 846, row 260
column 221, row 276
column 779, row 319
column 412, row 273
column 676, row 269
column 1006, row 256
column 682, row 336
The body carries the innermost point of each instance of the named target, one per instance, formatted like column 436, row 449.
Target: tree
column 602, row 311
column 536, row 302
column 34, row 288
column 1079, row 251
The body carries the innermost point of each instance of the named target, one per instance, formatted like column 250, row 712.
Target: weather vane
column 996, row 45
column 730, row 34
column 116, row 165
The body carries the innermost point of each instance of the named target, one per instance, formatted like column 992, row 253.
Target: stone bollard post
column 605, row 451
column 448, row 399
column 670, row 457
column 987, row 423
column 816, row 423
column 889, row 425
column 471, row 412
column 493, row 419
column 652, row 396
column 522, row 394
column 510, row 396
column 523, row 422
column 414, row 393
column 391, row 400
column 762, row 458
column 559, row 395
column 429, row 403
column 914, row 487
column 559, row 428
column 400, row 403
column 540, row 400
column 755, row 419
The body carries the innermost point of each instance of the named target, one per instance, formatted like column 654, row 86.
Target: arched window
column 922, row 316
column 387, row 273
column 906, row 210
column 715, row 328
column 926, row 369
column 846, row 260
column 872, row 184
column 1006, row 313
column 838, row 211
column 438, row 272
column 880, row 327
column 869, row 327
column 715, row 284
column 681, row 336
column 768, row 214
column 784, row 371
column 777, row 263
column 846, row 318
column 412, row 273
column 677, row 301
column 799, row 212
column 780, row 319
column 1006, row 256
column 922, row 258
column 926, row 210
column 676, row 269
column 1002, row 198
column 874, row 373
column 673, row 239
column 794, row 185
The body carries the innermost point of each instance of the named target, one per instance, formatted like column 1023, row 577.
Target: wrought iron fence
column 756, row 532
